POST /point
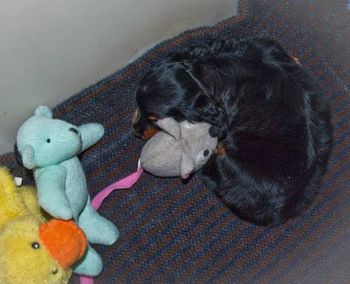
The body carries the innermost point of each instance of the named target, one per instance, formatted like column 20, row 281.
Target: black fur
column 267, row 113
column 18, row 155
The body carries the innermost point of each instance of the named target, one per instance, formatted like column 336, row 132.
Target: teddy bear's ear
column 28, row 157
column 43, row 111
column 11, row 205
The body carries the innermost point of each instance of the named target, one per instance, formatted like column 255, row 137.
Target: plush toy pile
column 45, row 252
column 50, row 147
column 33, row 248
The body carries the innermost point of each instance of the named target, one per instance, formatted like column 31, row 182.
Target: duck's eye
column 48, row 140
column 206, row 153
column 54, row 272
column 35, row 245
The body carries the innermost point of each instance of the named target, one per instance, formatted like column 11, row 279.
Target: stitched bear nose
column 73, row 130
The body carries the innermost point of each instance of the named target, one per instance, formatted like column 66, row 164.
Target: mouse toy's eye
column 35, row 245
column 203, row 156
column 48, row 140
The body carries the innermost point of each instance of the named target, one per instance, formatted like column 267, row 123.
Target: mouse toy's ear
column 170, row 126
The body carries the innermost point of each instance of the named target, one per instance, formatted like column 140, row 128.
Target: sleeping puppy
column 272, row 123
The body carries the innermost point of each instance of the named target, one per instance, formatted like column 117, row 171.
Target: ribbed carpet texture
column 175, row 232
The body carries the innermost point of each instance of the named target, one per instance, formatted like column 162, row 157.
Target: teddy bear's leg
column 90, row 265
column 98, row 229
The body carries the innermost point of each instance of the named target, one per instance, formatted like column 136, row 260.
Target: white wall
column 49, row 50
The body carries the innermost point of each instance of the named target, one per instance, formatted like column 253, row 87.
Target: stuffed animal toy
column 50, row 147
column 179, row 149
column 32, row 248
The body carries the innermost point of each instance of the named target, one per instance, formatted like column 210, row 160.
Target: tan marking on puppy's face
column 296, row 60
column 220, row 149
column 150, row 132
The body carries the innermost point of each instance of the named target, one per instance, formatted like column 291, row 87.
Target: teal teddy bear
column 50, row 147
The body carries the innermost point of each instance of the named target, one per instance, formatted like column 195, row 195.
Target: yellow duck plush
column 33, row 247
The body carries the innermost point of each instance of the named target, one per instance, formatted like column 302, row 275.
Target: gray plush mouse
column 179, row 149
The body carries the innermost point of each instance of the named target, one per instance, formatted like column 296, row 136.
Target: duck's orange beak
column 65, row 241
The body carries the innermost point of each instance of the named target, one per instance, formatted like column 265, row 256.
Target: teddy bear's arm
column 90, row 133
column 52, row 192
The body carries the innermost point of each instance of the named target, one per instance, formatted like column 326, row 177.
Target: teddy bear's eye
column 48, row 140
column 35, row 245
column 206, row 153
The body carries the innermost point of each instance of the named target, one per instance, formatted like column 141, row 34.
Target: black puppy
column 272, row 123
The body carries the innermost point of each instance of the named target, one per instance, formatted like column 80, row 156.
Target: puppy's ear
column 207, row 108
column 210, row 111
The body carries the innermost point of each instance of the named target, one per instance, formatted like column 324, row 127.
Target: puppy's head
column 144, row 125
column 211, row 86
column 173, row 89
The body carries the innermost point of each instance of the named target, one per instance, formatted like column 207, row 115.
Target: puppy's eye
column 48, row 140
column 35, row 245
column 206, row 153
column 153, row 117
